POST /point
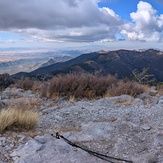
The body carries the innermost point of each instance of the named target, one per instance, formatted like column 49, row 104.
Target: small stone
column 112, row 119
column 146, row 127
column 160, row 102
column 153, row 92
column 23, row 139
column 3, row 141
column 153, row 160
column 43, row 139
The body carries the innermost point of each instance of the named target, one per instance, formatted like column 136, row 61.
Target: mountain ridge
column 120, row 63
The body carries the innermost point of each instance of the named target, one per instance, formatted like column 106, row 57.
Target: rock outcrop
column 122, row 126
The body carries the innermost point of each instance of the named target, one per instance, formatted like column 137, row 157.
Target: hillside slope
column 119, row 63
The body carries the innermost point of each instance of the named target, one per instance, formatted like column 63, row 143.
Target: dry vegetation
column 5, row 81
column 19, row 115
column 82, row 86
column 25, row 83
column 159, row 88
column 78, row 86
column 130, row 88
column 21, row 119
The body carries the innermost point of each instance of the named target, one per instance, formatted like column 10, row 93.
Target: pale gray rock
column 48, row 110
column 122, row 126
column 144, row 96
column 146, row 127
column 24, row 139
column 53, row 150
column 3, row 141
column 23, row 151
column 153, row 92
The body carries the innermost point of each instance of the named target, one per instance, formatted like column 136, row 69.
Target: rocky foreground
column 123, row 127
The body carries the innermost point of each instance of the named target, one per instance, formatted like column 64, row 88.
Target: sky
column 113, row 24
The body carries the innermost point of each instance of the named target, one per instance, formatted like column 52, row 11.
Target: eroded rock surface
column 121, row 127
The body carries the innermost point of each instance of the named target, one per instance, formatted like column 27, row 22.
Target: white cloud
column 77, row 21
column 50, row 14
column 146, row 26
column 62, row 20
column 82, row 34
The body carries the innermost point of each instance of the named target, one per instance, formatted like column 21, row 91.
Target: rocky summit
column 122, row 127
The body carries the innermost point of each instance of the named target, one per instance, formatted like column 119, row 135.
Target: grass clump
column 20, row 119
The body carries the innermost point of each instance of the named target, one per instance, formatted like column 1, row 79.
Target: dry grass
column 25, row 102
column 18, row 118
column 20, row 114
column 159, row 88
column 71, row 99
column 35, row 102
column 123, row 102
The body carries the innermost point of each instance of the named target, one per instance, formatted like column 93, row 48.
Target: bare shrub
column 82, row 86
column 44, row 89
column 5, row 81
column 79, row 86
column 36, row 86
column 18, row 118
column 130, row 88
column 25, row 83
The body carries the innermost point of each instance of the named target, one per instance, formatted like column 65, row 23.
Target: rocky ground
column 122, row 126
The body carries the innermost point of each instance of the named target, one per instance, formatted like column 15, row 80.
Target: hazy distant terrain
column 15, row 61
column 119, row 63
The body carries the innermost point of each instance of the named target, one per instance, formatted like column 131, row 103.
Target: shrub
column 143, row 77
column 130, row 88
column 5, row 81
column 25, row 83
column 83, row 86
column 78, row 86
column 19, row 118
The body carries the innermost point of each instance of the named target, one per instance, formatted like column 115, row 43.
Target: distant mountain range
column 55, row 60
column 15, row 61
column 119, row 63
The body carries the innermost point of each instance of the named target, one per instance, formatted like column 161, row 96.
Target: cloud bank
column 146, row 24
column 78, row 21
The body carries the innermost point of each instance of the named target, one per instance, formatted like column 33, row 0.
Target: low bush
column 130, row 88
column 25, row 83
column 5, row 81
column 83, row 86
column 78, row 86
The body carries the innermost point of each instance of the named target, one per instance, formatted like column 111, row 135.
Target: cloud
column 146, row 24
column 77, row 21
column 50, row 14
column 62, row 20
column 82, row 34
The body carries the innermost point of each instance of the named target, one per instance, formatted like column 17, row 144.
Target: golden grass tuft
column 71, row 99
column 18, row 118
column 123, row 102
